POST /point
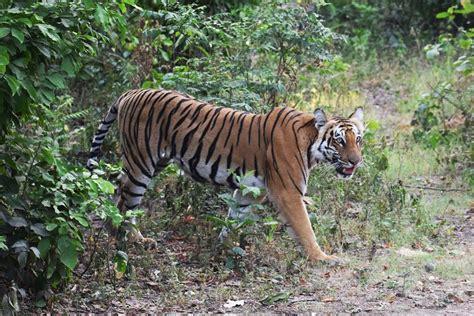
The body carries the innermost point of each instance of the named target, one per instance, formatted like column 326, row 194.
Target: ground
column 186, row 272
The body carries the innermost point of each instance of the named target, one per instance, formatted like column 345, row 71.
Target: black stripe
column 132, row 194
column 232, row 121
column 214, row 169
column 259, row 130
column 295, row 185
column 135, row 181
column 286, row 115
column 298, row 144
column 240, row 128
column 250, row 128
column 255, row 162
column 193, row 162
column 189, row 135
column 229, row 157
column 216, row 139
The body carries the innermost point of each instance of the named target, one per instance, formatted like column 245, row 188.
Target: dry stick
column 93, row 250
column 296, row 300
column 30, row 167
column 434, row 189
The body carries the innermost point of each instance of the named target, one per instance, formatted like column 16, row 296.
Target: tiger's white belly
column 223, row 176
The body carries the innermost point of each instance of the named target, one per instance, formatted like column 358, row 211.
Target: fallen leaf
column 452, row 297
column 271, row 299
column 391, row 298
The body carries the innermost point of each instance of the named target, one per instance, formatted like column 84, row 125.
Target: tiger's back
column 209, row 143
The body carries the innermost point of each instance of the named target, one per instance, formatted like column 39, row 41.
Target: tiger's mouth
column 345, row 172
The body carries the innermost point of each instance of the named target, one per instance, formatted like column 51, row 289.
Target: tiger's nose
column 355, row 160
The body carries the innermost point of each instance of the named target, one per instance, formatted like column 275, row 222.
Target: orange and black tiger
column 214, row 144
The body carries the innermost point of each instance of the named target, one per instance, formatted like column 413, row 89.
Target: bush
column 45, row 204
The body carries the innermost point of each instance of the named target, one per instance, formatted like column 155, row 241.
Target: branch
column 434, row 189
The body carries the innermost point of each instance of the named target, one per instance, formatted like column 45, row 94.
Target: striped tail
column 100, row 135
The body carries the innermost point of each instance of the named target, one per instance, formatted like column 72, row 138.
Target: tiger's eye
column 340, row 140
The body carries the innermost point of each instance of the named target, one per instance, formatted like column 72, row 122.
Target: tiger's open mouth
column 345, row 172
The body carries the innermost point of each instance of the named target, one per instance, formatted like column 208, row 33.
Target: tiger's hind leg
column 245, row 205
column 131, row 190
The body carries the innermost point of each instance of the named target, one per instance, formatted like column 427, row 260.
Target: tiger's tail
column 100, row 135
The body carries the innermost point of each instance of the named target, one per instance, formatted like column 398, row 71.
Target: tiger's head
column 339, row 141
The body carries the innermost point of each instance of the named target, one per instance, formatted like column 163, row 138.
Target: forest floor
column 186, row 272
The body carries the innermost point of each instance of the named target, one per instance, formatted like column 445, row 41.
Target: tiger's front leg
column 293, row 210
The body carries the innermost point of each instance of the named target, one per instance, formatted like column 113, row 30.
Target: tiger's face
column 339, row 142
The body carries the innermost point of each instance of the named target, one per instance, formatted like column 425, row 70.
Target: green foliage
column 241, row 64
column 45, row 203
column 42, row 45
column 443, row 118
column 373, row 26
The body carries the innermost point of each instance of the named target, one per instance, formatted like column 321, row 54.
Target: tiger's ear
column 358, row 114
column 320, row 118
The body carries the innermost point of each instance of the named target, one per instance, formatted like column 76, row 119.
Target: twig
column 444, row 97
column 31, row 167
column 93, row 250
column 434, row 189
column 299, row 300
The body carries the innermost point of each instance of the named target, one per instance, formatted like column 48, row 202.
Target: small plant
column 234, row 230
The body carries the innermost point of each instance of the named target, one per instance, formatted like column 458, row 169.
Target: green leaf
column 442, row 15
column 9, row 184
column 271, row 299
column 51, row 226
column 3, row 245
column 122, row 7
column 21, row 62
column 4, row 56
column 28, row 85
column 25, row 21
column 105, row 186
column 80, row 219
column 120, row 263
column 238, row 251
column 68, row 66
column 36, row 252
column 57, row 80
column 4, row 31
column 44, row 50
column 44, row 245
column 69, row 257
column 18, row 35
column 164, row 55
column 22, row 259
column 12, row 83
column 40, row 303
column 39, row 229
column 17, row 221
column 101, row 15
column 48, row 31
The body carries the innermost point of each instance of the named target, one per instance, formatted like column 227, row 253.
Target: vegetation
column 409, row 63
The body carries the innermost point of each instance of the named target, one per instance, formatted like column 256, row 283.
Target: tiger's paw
column 331, row 260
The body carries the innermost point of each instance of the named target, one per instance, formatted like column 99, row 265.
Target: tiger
column 218, row 145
